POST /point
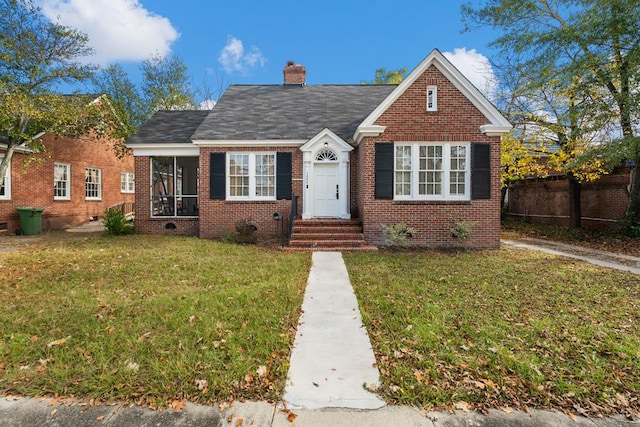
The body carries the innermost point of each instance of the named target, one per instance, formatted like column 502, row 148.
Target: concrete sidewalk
column 332, row 359
column 36, row 412
column 593, row 256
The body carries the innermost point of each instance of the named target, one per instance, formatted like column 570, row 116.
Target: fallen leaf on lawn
column 506, row 409
column 224, row 406
column 34, row 338
column 418, row 376
column 291, row 417
column 178, row 405
column 143, row 336
column 132, row 366
column 217, row 344
column 58, row 342
column 262, row 370
column 244, row 325
column 192, row 319
column 249, row 377
column 489, row 383
column 53, row 402
column 239, row 422
column 463, row 406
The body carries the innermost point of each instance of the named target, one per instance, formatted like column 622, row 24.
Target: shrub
column 397, row 234
column 245, row 231
column 116, row 223
column 461, row 229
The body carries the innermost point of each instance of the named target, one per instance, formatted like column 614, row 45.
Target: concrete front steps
column 328, row 235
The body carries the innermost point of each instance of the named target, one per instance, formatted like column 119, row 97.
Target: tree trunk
column 633, row 209
column 503, row 196
column 575, row 214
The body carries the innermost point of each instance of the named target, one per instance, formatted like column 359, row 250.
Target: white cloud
column 118, row 30
column 475, row 67
column 234, row 58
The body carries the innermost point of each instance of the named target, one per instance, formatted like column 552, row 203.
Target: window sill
column 265, row 202
column 431, row 202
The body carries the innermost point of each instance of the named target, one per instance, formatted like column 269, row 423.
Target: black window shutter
column 480, row 171
column 283, row 176
column 217, row 175
column 384, row 170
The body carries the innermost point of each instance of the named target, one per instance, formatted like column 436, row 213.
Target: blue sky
column 250, row 41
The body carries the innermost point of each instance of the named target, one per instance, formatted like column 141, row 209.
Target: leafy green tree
column 165, row 85
column 124, row 97
column 384, row 77
column 36, row 56
column 590, row 48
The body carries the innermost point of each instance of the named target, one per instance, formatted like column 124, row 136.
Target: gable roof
column 289, row 112
column 168, row 127
column 497, row 123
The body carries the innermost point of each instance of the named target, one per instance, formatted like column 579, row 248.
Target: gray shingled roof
column 169, row 127
column 290, row 111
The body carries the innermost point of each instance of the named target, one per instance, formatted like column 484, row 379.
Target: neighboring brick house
column 424, row 153
column 74, row 180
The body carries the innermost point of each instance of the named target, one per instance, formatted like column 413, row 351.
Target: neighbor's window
column 61, row 181
column 93, row 184
column 127, row 180
column 432, row 171
column 432, row 98
column 5, row 187
column 252, row 176
column 175, row 184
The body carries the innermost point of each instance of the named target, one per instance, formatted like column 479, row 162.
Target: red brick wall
column 456, row 120
column 218, row 216
column 546, row 201
column 32, row 184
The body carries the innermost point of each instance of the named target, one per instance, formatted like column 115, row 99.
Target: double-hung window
column 93, row 184
column 252, row 176
column 432, row 171
column 127, row 180
column 61, row 181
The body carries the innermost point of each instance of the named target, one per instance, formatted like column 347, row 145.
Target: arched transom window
column 326, row 155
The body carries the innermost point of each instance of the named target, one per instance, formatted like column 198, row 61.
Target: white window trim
column 68, row 182
column 433, row 90
column 99, row 197
column 446, row 161
column 252, row 176
column 7, row 183
column 127, row 178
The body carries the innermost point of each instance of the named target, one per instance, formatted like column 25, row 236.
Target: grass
column 503, row 329
column 148, row 319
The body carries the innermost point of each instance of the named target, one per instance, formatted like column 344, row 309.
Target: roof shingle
column 169, row 127
column 294, row 112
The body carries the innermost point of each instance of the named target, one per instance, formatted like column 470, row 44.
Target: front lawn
column 506, row 329
column 148, row 319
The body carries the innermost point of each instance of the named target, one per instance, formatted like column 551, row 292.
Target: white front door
column 326, row 191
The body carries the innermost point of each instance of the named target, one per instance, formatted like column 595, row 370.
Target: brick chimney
column 294, row 74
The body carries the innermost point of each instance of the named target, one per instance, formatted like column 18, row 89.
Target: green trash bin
column 30, row 220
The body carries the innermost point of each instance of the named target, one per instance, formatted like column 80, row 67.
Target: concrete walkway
column 593, row 256
column 332, row 358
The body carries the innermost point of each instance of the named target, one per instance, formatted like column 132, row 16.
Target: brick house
column 424, row 153
column 74, row 180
